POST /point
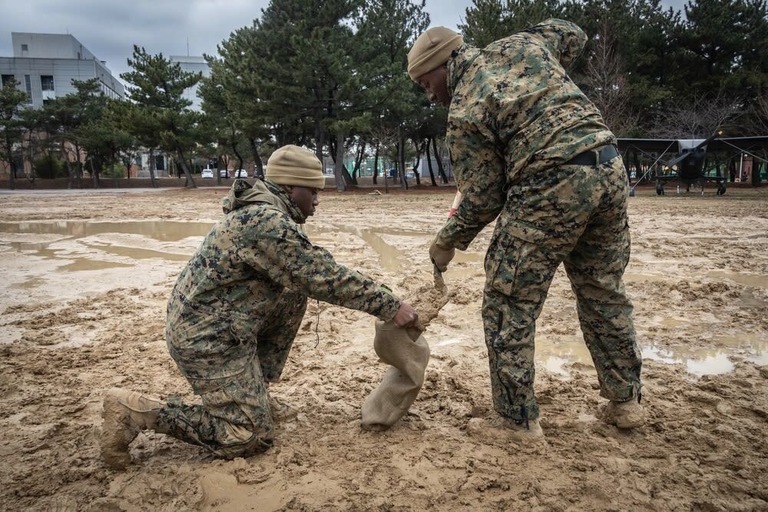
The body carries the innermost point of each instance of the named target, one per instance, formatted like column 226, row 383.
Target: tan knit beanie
column 293, row 165
column 432, row 49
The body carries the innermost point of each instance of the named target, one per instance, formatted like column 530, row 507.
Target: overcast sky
column 109, row 29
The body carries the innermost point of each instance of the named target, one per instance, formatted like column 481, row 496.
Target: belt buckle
column 610, row 152
column 601, row 155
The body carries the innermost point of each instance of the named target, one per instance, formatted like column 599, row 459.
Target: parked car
column 223, row 173
column 241, row 173
column 207, row 173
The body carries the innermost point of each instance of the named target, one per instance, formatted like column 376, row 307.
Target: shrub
column 49, row 167
column 115, row 171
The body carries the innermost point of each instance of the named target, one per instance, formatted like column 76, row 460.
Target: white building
column 192, row 64
column 46, row 64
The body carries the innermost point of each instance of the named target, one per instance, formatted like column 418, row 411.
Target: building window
column 24, row 48
column 7, row 78
column 46, row 82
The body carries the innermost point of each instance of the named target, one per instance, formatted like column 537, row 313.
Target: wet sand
column 86, row 274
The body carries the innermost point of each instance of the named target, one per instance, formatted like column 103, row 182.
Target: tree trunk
column 429, row 162
column 152, row 167
column 401, row 158
column 219, row 160
column 12, row 177
column 376, row 164
column 258, row 166
column 240, row 161
column 70, row 174
column 190, row 181
column 358, row 162
column 79, row 168
column 439, row 162
column 128, row 168
column 756, row 167
column 416, row 173
column 94, row 175
column 115, row 159
column 338, row 168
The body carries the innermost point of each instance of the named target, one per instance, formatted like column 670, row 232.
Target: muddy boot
column 501, row 430
column 125, row 414
column 281, row 410
column 629, row 414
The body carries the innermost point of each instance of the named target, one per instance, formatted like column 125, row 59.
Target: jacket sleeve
column 480, row 177
column 273, row 245
column 563, row 38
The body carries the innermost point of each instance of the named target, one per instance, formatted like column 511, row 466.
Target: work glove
column 441, row 257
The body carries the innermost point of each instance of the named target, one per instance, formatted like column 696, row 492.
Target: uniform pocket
column 515, row 266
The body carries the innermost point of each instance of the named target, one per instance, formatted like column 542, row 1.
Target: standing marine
column 531, row 152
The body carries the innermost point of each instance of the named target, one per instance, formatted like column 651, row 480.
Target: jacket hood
column 265, row 192
column 562, row 38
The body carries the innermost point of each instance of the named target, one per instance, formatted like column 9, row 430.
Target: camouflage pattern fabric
column 236, row 308
column 515, row 119
column 514, row 111
column 576, row 215
column 234, row 419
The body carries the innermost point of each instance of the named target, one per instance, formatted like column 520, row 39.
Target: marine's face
column 435, row 83
column 305, row 198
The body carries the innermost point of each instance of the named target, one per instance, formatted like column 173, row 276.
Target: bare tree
column 607, row 86
column 699, row 119
column 760, row 111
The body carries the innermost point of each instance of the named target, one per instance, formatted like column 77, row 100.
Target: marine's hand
column 441, row 257
column 406, row 316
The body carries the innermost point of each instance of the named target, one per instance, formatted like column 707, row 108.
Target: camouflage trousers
column 234, row 419
column 575, row 215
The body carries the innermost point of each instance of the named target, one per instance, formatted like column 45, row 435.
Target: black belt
column 595, row 156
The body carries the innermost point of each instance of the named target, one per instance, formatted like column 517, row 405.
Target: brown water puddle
column 554, row 352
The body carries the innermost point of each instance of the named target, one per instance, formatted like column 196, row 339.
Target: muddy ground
column 85, row 276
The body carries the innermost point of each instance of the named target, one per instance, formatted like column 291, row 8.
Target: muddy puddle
column 114, row 250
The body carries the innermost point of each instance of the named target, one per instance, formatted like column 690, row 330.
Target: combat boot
column 629, row 414
column 125, row 414
column 281, row 410
column 502, row 430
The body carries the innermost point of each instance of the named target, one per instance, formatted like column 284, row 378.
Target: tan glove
column 441, row 257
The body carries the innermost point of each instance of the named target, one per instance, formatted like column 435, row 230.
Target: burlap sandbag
column 407, row 352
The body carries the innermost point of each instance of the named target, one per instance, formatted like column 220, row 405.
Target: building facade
column 192, row 64
column 46, row 64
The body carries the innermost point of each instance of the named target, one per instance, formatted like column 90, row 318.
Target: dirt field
column 86, row 274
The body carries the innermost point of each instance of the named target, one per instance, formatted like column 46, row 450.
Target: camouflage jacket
column 514, row 111
column 234, row 280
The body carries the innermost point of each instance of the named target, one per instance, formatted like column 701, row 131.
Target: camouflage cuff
column 389, row 305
